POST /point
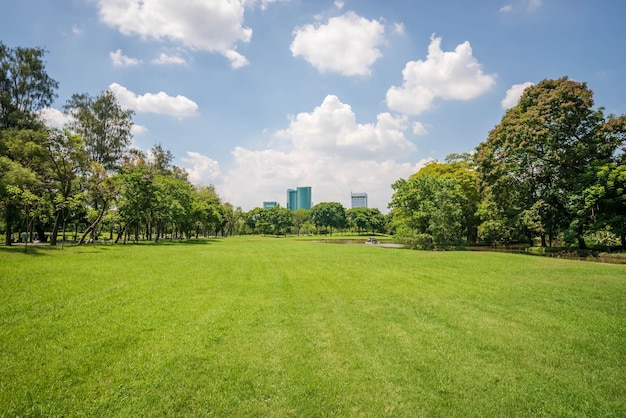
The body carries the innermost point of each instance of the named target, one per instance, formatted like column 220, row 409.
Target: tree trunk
column 8, row 232
column 93, row 226
column 121, row 233
column 543, row 240
column 55, row 228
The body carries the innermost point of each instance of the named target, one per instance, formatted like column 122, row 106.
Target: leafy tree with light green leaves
column 365, row 219
column 280, row 220
column 330, row 215
column 104, row 126
column 25, row 88
column 299, row 218
column 428, row 211
column 461, row 168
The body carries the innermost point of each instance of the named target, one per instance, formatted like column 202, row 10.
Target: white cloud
column 165, row 59
column 54, row 118
column 327, row 150
column 339, row 4
column 204, row 170
column 332, row 129
column 398, row 28
column 121, row 60
column 419, row 128
column 451, row 75
column 213, row 26
column 162, row 103
column 506, row 9
column 347, row 44
column 77, row 30
column 137, row 130
column 514, row 93
column 267, row 174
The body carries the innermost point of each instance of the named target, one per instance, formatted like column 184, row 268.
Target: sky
column 259, row 96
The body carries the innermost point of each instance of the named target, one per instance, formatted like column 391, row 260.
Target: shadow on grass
column 35, row 250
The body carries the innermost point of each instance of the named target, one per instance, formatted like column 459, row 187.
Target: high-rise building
column 268, row 205
column 303, row 197
column 359, row 200
column 292, row 199
column 300, row 198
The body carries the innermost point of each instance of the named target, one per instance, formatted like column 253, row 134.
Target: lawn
column 283, row 327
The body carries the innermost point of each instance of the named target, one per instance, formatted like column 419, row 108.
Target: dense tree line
column 554, row 168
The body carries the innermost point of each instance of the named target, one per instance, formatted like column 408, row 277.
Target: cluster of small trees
column 553, row 169
column 323, row 218
column 86, row 175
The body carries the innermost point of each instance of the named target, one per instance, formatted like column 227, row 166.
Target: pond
column 512, row 249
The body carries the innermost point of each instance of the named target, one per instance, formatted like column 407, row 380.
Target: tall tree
column 546, row 149
column 25, row 86
column 104, row 126
column 65, row 158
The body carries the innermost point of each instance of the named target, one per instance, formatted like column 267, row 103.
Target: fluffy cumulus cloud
column 201, row 169
column 54, row 118
column 332, row 129
column 327, row 150
column 449, row 75
column 514, row 93
column 346, row 44
column 162, row 103
column 213, row 25
column 121, row 60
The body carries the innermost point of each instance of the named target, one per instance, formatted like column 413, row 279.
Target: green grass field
column 282, row 327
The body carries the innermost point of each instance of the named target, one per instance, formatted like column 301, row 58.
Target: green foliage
column 330, row 215
column 365, row 219
column 104, row 126
column 429, row 207
column 25, row 87
column 542, row 157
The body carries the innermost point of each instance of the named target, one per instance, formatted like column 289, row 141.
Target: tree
column 65, row 157
column 279, row 219
column 428, row 211
column 206, row 210
column 365, row 219
column 299, row 218
column 15, row 180
column 104, row 126
column 328, row 215
column 25, row 86
column 543, row 154
column 460, row 167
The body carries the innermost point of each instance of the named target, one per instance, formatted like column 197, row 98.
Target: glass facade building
column 299, row 198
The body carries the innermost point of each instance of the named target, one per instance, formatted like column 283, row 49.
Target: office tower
column 292, row 199
column 300, row 198
column 303, row 198
column 359, row 200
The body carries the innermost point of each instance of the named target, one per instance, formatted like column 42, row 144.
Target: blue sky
column 258, row 96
